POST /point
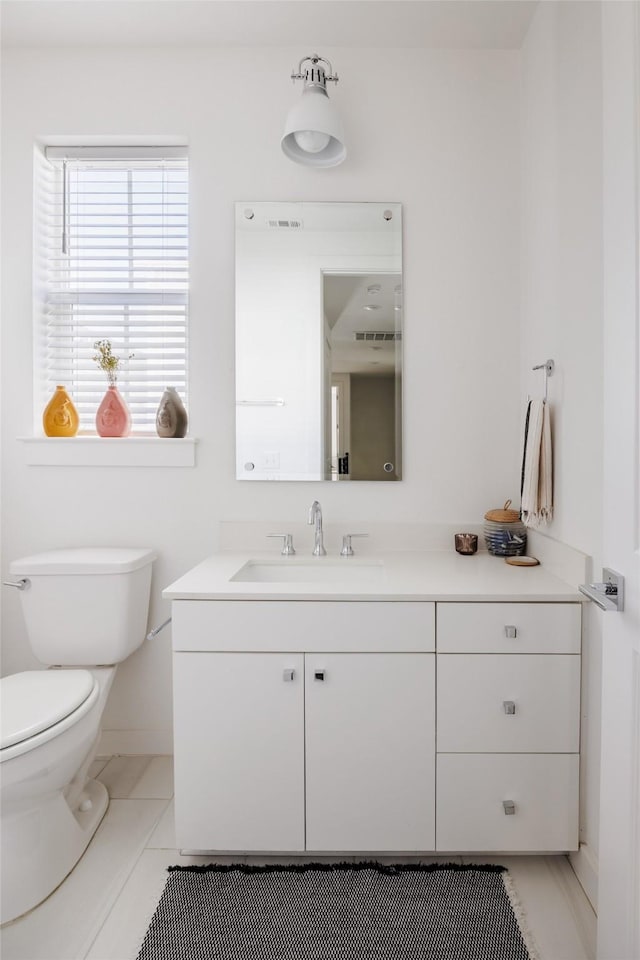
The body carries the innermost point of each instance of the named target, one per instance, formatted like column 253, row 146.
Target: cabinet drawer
column 509, row 627
column 472, row 791
column 477, row 692
column 258, row 625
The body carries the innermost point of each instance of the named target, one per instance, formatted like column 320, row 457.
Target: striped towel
column 537, row 485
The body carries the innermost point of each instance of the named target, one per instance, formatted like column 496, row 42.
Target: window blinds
column 114, row 226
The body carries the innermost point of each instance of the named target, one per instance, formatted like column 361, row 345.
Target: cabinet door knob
column 511, row 632
column 318, row 674
column 509, row 707
column 509, row 807
column 288, row 674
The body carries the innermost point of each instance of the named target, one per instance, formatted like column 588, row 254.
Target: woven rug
column 357, row 911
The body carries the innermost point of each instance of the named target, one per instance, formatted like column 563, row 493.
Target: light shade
column 313, row 132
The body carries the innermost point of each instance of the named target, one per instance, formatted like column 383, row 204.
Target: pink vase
column 113, row 418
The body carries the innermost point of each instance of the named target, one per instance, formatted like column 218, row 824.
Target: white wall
column 562, row 311
column 435, row 130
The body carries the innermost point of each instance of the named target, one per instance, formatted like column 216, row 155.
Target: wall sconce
column 313, row 130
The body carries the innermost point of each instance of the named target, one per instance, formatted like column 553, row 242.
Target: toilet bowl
column 49, row 809
column 45, row 828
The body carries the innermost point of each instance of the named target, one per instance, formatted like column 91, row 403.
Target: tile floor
column 103, row 908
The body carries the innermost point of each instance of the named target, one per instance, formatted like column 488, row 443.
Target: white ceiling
column 475, row 24
column 345, row 299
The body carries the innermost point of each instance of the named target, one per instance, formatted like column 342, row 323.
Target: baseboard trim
column 585, row 866
column 135, row 743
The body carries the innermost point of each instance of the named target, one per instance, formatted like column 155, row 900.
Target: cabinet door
column 239, row 751
column 370, row 752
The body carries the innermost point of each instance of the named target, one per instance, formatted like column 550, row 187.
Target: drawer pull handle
column 509, row 707
column 511, row 632
column 509, row 808
column 318, row 674
column 288, row 674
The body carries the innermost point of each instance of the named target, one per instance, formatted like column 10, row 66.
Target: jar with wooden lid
column 504, row 532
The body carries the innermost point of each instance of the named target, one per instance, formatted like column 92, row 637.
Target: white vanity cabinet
column 355, row 726
column 282, row 744
column 508, row 726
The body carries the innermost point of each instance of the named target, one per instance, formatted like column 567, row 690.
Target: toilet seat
column 38, row 704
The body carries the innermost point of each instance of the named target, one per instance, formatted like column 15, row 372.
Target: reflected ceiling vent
column 377, row 335
column 285, row 224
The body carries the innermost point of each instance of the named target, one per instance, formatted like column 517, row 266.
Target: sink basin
column 320, row 570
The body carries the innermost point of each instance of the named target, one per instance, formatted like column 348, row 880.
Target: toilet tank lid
column 37, row 699
column 83, row 561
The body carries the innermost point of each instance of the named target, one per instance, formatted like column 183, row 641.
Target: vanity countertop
column 438, row 575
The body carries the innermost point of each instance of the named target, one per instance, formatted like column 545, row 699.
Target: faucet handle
column 287, row 543
column 347, row 549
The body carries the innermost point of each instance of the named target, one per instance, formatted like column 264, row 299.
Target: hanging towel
column 537, row 489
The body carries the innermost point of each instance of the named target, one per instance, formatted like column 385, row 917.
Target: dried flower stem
column 106, row 360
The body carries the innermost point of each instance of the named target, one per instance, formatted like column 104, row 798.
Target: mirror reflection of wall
column 318, row 341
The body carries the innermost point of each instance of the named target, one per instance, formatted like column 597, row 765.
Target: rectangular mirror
column 318, row 341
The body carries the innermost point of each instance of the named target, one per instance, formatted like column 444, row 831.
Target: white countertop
column 440, row 575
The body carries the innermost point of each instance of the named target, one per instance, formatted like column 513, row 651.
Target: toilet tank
column 85, row 606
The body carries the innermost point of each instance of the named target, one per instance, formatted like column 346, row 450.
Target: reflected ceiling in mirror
column 318, row 341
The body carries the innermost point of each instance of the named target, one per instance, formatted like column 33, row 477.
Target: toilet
column 85, row 611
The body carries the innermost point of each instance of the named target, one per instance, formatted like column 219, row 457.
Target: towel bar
column 154, row 633
column 608, row 595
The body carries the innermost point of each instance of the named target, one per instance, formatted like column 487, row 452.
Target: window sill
column 109, row 451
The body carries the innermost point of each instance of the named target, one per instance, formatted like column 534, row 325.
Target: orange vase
column 60, row 417
column 113, row 418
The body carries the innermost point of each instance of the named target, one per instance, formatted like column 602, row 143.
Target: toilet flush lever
column 18, row 584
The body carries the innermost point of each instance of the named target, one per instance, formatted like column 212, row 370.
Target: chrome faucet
column 315, row 516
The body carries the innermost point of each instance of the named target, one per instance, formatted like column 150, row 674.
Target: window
column 112, row 264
